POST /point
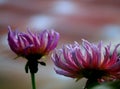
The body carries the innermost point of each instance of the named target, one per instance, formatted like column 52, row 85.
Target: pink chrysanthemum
column 89, row 60
column 32, row 46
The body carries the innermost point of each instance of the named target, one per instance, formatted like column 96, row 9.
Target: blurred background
column 93, row 20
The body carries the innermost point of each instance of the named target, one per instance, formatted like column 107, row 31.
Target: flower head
column 89, row 60
column 32, row 46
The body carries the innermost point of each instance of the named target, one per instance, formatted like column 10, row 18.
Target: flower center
column 93, row 73
column 33, row 56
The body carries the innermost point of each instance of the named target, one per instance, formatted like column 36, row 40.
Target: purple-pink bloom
column 87, row 60
column 32, row 45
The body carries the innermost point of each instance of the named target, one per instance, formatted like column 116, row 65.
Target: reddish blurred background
column 93, row 20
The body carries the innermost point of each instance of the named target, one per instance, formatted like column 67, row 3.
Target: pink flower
column 89, row 60
column 32, row 46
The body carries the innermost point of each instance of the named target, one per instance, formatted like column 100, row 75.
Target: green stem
column 33, row 81
column 91, row 83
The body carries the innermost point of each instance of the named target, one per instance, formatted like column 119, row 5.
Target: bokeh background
column 93, row 20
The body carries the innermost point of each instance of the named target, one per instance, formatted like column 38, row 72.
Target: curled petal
column 65, row 73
